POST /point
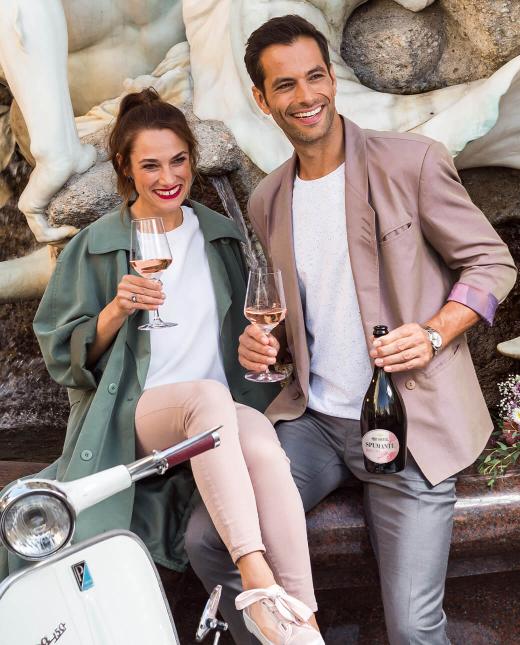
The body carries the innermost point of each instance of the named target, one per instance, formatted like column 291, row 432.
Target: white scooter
column 103, row 591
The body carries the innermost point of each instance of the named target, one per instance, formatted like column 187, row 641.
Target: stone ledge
column 486, row 533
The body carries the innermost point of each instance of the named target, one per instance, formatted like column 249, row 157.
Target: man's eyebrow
column 318, row 68
column 284, row 79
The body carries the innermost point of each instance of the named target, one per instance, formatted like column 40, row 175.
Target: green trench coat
column 100, row 430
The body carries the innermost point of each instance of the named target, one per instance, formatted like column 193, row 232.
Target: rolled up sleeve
column 482, row 302
column 463, row 237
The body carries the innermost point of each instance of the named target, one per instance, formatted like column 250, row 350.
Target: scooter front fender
column 103, row 591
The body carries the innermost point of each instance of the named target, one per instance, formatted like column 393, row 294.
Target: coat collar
column 112, row 231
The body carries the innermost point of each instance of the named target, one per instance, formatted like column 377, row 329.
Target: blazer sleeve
column 463, row 236
column 66, row 319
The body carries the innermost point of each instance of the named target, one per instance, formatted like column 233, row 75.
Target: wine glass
column 150, row 255
column 265, row 307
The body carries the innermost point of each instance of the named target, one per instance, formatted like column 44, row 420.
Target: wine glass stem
column 268, row 369
column 156, row 316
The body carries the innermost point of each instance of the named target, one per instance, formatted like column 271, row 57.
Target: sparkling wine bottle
column 383, row 422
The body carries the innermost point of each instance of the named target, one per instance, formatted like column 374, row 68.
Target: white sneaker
column 284, row 618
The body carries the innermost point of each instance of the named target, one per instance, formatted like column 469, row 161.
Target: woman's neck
column 171, row 220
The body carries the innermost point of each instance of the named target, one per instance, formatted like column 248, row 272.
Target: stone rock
column 495, row 191
column 86, row 197
column 392, row 49
column 492, row 26
column 5, row 95
column 21, row 134
column 453, row 41
column 7, row 142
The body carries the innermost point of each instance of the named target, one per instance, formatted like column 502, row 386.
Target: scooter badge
column 83, row 576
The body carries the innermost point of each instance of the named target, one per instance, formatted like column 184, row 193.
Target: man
column 368, row 227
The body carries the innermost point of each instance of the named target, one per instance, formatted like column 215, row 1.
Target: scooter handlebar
column 205, row 441
column 161, row 461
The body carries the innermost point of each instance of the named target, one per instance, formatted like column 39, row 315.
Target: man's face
column 299, row 90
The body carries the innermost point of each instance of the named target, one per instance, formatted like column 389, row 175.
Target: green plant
column 503, row 450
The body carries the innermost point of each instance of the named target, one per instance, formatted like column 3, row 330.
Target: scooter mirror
column 208, row 620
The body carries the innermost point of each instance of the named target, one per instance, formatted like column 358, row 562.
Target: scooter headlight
column 36, row 519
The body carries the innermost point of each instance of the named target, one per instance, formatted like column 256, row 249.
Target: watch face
column 436, row 339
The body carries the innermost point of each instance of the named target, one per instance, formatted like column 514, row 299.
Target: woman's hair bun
column 136, row 99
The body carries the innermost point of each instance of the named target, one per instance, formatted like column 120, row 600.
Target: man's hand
column 405, row 348
column 257, row 350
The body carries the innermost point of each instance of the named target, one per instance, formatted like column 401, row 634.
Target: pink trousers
column 245, row 483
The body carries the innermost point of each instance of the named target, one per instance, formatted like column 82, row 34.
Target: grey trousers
column 410, row 524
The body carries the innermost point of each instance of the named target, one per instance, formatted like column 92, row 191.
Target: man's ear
column 260, row 100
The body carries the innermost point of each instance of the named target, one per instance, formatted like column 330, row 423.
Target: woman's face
column 160, row 167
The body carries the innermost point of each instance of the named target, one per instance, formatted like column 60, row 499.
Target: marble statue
column 61, row 58
column 113, row 47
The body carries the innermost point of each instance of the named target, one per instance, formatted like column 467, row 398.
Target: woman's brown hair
column 139, row 111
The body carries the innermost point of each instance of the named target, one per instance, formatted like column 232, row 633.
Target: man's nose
column 304, row 93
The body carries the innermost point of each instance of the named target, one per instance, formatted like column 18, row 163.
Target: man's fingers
column 256, row 333
column 401, row 357
column 404, row 367
column 253, row 367
column 400, row 345
column 258, row 345
column 258, row 359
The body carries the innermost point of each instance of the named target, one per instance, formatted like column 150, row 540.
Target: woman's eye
column 149, row 167
column 179, row 161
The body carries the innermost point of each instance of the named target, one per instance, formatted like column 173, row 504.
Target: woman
column 135, row 391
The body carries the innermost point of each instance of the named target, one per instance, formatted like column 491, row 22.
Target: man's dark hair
column 283, row 30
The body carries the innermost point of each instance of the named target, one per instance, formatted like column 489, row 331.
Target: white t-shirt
column 191, row 350
column 340, row 368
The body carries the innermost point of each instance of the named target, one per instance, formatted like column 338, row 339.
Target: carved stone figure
column 107, row 41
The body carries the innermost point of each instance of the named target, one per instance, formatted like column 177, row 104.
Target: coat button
column 86, row 455
column 410, row 384
column 225, row 240
column 112, row 388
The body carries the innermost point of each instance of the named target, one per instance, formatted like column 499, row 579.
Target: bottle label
column 380, row 446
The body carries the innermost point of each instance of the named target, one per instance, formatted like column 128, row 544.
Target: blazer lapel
column 282, row 255
column 361, row 228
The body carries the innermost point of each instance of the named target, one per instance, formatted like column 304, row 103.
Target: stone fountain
column 448, row 69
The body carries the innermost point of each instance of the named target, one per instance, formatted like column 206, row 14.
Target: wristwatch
column 435, row 339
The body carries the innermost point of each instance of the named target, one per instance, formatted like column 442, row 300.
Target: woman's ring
column 134, row 298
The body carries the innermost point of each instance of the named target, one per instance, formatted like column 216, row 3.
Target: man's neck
column 322, row 157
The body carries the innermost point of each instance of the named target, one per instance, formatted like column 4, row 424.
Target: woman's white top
column 340, row 369
column 191, row 350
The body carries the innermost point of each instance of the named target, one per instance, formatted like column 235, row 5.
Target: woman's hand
column 135, row 292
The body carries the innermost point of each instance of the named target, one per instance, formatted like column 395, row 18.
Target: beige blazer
column 415, row 240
